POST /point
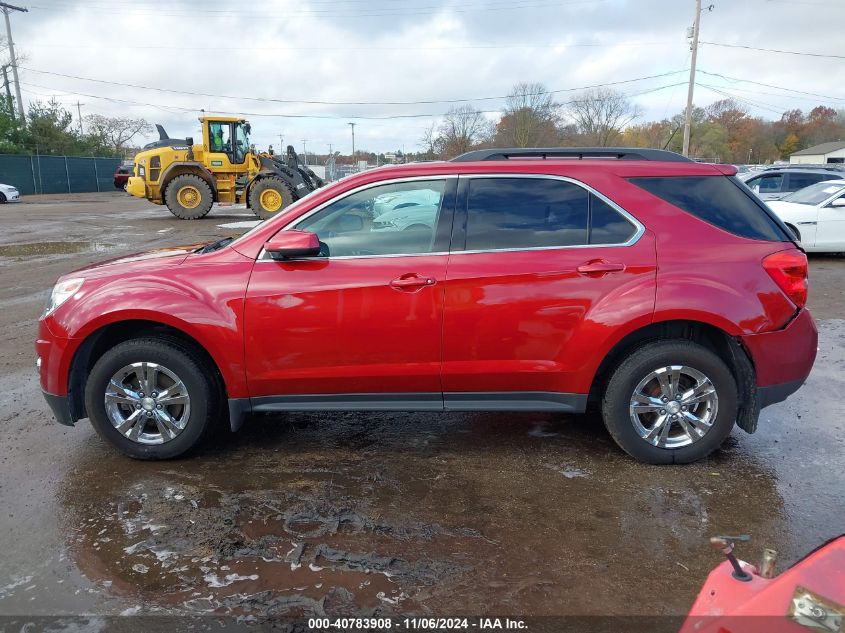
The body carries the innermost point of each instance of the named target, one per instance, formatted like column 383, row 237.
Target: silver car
column 774, row 184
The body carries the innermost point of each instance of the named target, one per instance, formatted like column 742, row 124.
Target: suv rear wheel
column 151, row 398
column 670, row 402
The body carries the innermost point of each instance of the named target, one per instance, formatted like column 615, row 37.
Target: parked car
column 9, row 193
column 537, row 288
column 774, row 184
column 816, row 215
column 122, row 174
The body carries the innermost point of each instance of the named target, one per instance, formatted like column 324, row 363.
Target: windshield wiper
column 214, row 246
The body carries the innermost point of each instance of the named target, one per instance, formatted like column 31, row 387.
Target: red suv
column 659, row 289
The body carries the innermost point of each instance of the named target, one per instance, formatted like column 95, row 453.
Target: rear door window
column 511, row 213
column 797, row 180
column 720, row 201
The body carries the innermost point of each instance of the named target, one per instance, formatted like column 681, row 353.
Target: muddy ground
column 522, row 514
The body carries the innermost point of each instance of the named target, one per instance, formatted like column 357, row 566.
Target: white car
column 816, row 214
column 8, row 193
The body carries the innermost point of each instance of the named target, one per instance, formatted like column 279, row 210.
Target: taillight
column 789, row 270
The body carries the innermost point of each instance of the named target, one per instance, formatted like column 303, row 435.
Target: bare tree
column 601, row 114
column 462, row 128
column 530, row 117
column 429, row 140
column 115, row 133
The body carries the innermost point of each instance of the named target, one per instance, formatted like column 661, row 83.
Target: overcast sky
column 357, row 51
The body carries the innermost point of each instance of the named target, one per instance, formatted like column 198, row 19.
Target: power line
column 775, row 50
column 545, row 46
column 311, row 102
column 345, row 13
column 759, row 83
column 299, row 116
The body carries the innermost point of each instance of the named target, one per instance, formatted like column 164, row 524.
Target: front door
column 543, row 271
column 360, row 325
column 830, row 230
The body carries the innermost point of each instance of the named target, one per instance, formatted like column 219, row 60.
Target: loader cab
column 226, row 140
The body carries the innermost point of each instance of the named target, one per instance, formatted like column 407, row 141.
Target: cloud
column 413, row 50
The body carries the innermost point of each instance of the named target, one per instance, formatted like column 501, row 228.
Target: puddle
column 53, row 248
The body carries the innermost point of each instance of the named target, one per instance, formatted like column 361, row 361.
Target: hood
column 171, row 256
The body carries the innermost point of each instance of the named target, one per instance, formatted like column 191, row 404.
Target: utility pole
column 353, row 143
column 79, row 111
column 694, row 48
column 281, row 143
column 6, row 8
column 305, row 151
column 9, row 103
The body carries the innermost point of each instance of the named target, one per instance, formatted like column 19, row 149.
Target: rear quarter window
column 720, row 201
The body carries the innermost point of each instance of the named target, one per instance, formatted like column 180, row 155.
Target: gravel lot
column 522, row 514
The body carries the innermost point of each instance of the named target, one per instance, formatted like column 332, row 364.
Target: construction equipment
column 190, row 178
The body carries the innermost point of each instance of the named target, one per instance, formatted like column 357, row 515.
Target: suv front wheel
column 670, row 402
column 151, row 398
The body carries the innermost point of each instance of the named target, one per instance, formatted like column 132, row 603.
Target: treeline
column 723, row 132
column 50, row 129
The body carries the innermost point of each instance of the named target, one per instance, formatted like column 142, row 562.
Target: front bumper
column 783, row 359
column 60, row 406
column 12, row 196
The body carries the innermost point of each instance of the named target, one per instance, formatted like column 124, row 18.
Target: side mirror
column 189, row 140
column 839, row 202
column 293, row 244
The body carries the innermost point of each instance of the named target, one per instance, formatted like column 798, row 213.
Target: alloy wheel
column 674, row 406
column 147, row 403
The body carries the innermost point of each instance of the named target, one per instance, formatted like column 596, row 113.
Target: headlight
column 62, row 291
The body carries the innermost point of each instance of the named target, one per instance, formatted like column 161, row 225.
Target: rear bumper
column 783, row 359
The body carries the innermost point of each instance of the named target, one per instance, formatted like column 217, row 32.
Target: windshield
column 815, row 194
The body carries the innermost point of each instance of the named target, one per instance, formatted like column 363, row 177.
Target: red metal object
column 490, row 321
column 807, row 597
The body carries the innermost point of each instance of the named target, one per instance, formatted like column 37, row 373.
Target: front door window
column 392, row 219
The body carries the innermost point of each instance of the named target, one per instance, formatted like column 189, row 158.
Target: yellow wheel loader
column 190, row 178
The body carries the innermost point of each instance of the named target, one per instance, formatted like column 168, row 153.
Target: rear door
column 542, row 271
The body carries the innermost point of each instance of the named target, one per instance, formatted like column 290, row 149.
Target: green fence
column 57, row 174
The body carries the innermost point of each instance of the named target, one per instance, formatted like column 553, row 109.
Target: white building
column 833, row 152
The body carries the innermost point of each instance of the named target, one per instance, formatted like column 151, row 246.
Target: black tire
column 196, row 184
column 271, row 184
column 2, row 198
column 187, row 365
column 636, row 367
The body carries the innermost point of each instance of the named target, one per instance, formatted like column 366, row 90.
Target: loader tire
column 188, row 197
column 269, row 196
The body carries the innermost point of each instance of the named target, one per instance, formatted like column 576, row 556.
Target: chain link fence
column 57, row 174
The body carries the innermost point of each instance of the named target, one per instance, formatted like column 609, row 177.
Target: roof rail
column 580, row 153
